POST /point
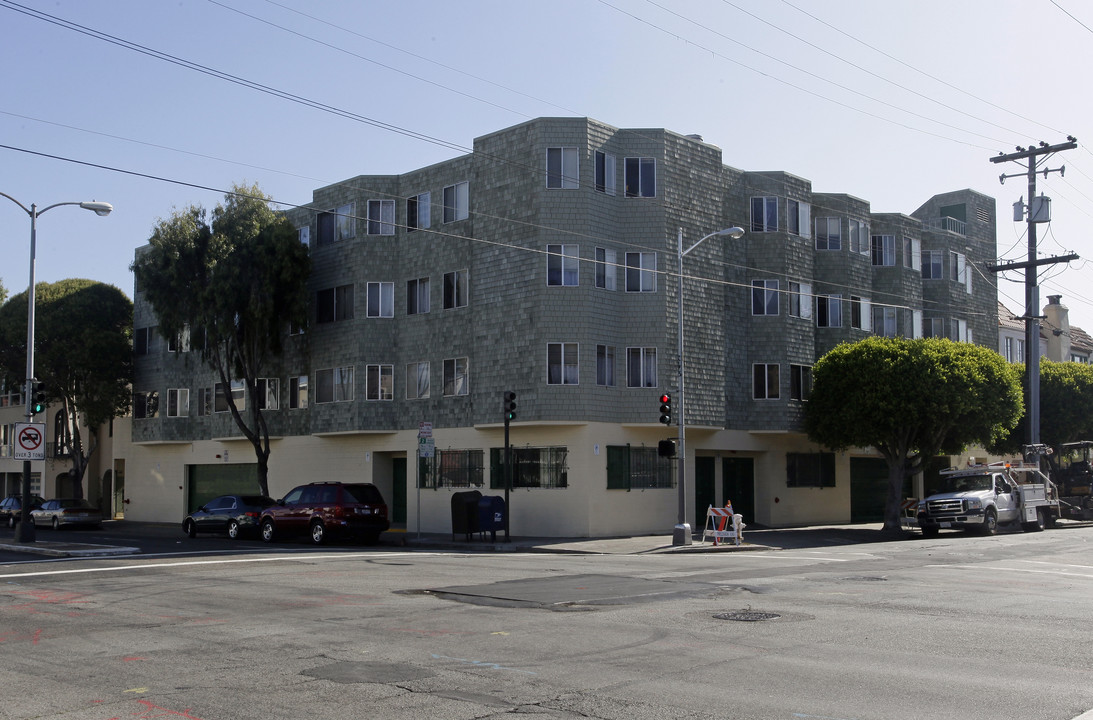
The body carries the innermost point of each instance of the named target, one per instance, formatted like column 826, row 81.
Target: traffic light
column 666, row 409
column 38, row 397
column 509, row 406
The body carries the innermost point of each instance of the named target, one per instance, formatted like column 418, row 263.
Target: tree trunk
column 896, row 475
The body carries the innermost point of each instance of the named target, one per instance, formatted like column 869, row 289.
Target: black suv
column 11, row 508
column 350, row 510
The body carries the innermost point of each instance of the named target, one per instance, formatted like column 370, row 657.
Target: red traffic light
column 666, row 408
column 665, row 398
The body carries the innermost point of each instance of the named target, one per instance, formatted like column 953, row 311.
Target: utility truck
column 981, row 497
column 1073, row 474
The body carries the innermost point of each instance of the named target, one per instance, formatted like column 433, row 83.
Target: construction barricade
column 908, row 514
column 722, row 524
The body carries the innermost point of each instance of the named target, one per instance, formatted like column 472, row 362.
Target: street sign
column 426, row 447
column 424, row 430
column 30, row 441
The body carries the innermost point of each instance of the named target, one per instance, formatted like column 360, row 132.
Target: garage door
column 208, row 481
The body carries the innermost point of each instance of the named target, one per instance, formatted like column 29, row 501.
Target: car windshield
column 963, row 483
column 365, row 494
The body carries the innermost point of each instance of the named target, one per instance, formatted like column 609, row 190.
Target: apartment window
column 958, row 330
column 142, row 340
column 884, row 321
column 146, row 404
column 532, row 467
column 334, row 384
column 454, row 468
column 238, row 396
column 381, row 217
column 417, row 296
column 810, row 469
column 912, row 254
column 605, row 365
column 605, row 269
column 456, row 380
column 641, row 273
column 859, row 237
column 417, row 380
column 268, row 393
column 563, row 171
column 633, row 467
column 933, row 327
column 800, row 299
column 829, row 311
column 828, row 233
column 959, row 270
column 297, row 392
column 178, row 402
column 205, row 400
column 417, row 212
column 799, row 218
column 641, row 177
column 455, row 289
column 456, row 202
column 337, row 224
column 931, row 265
column 562, row 364
column 379, row 382
column 764, row 297
column 764, row 214
column 641, row 367
column 334, row 304
column 381, row 300
column 800, row 382
column 859, row 313
column 304, row 235
column 562, row 265
column 884, row 250
column 764, row 381
column 605, row 173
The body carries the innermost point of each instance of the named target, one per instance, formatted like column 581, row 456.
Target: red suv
column 355, row 510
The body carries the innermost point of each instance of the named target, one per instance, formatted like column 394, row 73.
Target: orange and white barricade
column 723, row 524
column 908, row 514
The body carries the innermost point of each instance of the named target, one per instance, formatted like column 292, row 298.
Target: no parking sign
column 30, row 441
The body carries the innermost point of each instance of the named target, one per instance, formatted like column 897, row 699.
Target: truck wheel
column 990, row 522
column 1037, row 525
column 930, row 531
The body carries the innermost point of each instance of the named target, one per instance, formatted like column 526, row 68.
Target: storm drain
column 747, row 616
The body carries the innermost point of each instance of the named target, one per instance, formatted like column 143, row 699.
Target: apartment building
column 546, row 263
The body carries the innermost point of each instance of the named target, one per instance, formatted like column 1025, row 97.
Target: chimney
column 1057, row 329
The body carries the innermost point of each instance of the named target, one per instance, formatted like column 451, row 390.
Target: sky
column 153, row 105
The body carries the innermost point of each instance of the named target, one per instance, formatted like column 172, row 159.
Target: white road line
column 995, row 568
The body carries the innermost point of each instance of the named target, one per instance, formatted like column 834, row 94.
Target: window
column 764, row 214
column 800, row 382
column 931, row 265
column 381, row 300
column 605, row 173
column 959, row 270
column 334, row 384
column 455, row 468
column 417, row 212
column 297, row 392
column 142, row 340
column 417, row 380
column 563, row 170
column 268, row 393
column 641, row 177
column 799, row 218
column 912, row 254
column 337, row 224
column 637, row 468
column 456, row 202
column 146, row 404
column 334, row 304
column 605, row 365
column 810, row 469
column 764, row 297
column 641, row 367
column 532, row 467
column 379, row 382
column 800, row 299
column 884, row 321
column 641, row 273
column 456, row 381
column 381, row 217
column 933, row 327
column 860, row 317
column 204, row 401
column 884, row 250
column 180, row 342
column 417, row 296
column 562, row 265
column 455, row 289
column 220, row 402
column 562, row 364
column 829, row 311
column 828, row 235
column 765, row 381
column 304, row 235
column 178, row 402
column 859, row 237
column 605, row 268
column 958, row 330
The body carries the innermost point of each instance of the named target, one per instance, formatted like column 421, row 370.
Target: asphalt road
column 953, row 627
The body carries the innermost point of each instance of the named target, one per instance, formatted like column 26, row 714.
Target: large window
column 799, row 218
column 562, row 364
column 238, row 396
column 417, row 380
column 631, row 467
column 912, row 254
column 381, row 300
column 532, row 467
column 934, row 327
column 810, row 469
column 417, row 296
column 884, row 321
column 829, row 311
column 800, row 382
column 334, row 384
column 884, row 250
column 205, row 401
column 641, row 177
column 800, row 299
column 765, row 381
column 764, row 297
column 455, row 289
column 829, row 233
column 456, row 202
column 641, row 367
column 334, row 304
column 859, row 313
column 959, row 271
column 456, row 379
column 563, row 263
column 379, row 382
column 453, row 468
column 297, row 392
column 605, row 173
column 417, row 212
column 605, row 269
column 563, row 168
column 381, row 217
column 641, row 275
column 337, row 224
column 178, row 402
column 859, row 237
column 267, row 393
column 146, row 404
column 605, row 365
column 931, row 265
column 764, row 214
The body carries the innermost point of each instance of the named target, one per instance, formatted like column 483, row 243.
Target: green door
column 738, row 485
column 868, row 489
column 398, row 491
column 705, row 490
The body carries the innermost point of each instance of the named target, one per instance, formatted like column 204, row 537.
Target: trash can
column 465, row 513
column 491, row 515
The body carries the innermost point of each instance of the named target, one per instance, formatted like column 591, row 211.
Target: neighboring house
column 545, row 263
column 1059, row 340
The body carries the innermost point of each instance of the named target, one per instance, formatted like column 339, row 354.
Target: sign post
column 426, row 448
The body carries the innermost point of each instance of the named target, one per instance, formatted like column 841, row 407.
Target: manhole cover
column 747, row 616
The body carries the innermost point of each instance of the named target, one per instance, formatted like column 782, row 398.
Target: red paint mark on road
column 163, row 712
column 133, row 658
column 37, row 636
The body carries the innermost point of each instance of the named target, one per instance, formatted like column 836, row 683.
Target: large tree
column 241, row 280
column 83, row 357
column 910, row 399
column 1066, row 396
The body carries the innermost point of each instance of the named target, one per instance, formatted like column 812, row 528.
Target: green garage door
column 208, row 481
column 869, row 489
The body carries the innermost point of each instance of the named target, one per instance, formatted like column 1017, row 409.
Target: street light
column 25, row 532
column 681, row 533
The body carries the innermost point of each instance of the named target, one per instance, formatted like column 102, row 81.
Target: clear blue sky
column 889, row 101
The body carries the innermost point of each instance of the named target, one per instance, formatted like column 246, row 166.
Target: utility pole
column 1038, row 210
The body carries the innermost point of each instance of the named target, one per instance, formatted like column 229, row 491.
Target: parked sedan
column 230, row 514
column 11, row 508
column 65, row 512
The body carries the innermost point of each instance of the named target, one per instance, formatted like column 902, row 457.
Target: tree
column 910, row 399
column 83, row 357
column 242, row 281
column 1066, row 395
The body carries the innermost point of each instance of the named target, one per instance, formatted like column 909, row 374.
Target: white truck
column 980, row 497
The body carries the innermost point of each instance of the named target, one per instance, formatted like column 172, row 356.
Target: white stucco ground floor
column 569, row 480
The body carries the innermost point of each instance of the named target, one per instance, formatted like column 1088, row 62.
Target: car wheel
column 233, row 529
column 318, row 532
column 990, row 522
column 56, row 524
column 190, row 528
column 11, row 521
column 267, row 530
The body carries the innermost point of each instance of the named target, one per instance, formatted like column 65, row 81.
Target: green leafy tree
column 910, row 399
column 1066, row 396
column 83, row 357
column 242, row 280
